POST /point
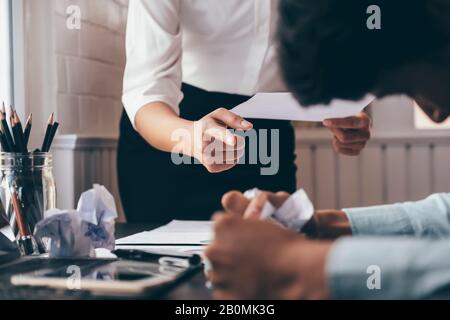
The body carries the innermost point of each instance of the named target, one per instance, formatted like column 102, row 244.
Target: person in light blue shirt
column 407, row 245
column 412, row 256
column 398, row 251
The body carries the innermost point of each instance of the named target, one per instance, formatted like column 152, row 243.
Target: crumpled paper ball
column 77, row 233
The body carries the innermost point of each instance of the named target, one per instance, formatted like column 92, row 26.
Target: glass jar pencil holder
column 27, row 191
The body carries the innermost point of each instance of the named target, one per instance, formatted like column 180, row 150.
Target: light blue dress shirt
column 399, row 251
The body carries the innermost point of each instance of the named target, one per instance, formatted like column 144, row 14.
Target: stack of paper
column 175, row 234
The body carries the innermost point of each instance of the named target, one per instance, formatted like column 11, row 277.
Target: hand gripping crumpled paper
column 77, row 233
column 295, row 212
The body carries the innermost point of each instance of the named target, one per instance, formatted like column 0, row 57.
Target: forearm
column 388, row 268
column 429, row 218
column 162, row 128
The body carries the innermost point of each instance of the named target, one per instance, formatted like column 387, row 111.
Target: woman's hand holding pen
column 214, row 145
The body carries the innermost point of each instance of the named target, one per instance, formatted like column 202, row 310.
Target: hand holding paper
column 283, row 106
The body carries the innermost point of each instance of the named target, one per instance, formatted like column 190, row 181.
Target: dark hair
column 326, row 50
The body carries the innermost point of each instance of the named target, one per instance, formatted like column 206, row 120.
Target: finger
column 354, row 146
column 278, row 199
column 256, row 206
column 355, row 122
column 218, row 279
column 348, row 149
column 233, row 157
column 349, row 152
column 218, row 145
column 221, row 134
column 218, row 168
column 351, row 136
column 235, row 202
column 217, row 217
column 217, row 257
column 222, row 222
column 223, row 157
column 231, row 119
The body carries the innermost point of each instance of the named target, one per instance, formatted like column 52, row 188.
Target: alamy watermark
column 374, row 20
column 254, row 147
column 374, row 280
column 73, row 21
column 74, row 279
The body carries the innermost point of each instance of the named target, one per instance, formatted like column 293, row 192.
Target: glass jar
column 27, row 186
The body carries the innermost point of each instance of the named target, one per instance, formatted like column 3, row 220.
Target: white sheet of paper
column 166, row 249
column 175, row 233
column 283, row 106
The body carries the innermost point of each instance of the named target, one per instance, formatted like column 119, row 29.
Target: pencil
column 19, row 130
column 18, row 135
column 52, row 136
column 27, row 131
column 7, row 133
column 3, row 142
column 17, row 120
column 24, row 231
column 47, row 132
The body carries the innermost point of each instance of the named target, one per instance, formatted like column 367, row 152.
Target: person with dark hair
column 327, row 52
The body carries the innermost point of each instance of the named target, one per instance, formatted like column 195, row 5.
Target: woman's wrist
column 328, row 224
column 162, row 128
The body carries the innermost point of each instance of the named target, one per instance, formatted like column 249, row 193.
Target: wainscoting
column 393, row 168
column 79, row 162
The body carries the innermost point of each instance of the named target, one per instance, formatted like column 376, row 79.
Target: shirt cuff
column 379, row 220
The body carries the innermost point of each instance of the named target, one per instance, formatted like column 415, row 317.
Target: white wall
column 89, row 64
column 5, row 50
column 78, row 75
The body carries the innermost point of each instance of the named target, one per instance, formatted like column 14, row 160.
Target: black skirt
column 154, row 189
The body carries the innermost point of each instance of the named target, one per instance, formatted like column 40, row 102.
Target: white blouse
column 217, row 45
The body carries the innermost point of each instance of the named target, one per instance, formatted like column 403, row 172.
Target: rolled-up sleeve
column 429, row 218
column 389, row 268
column 153, row 70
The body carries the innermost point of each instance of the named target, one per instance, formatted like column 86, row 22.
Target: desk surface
column 192, row 288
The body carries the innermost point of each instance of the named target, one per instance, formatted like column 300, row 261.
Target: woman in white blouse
column 188, row 62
